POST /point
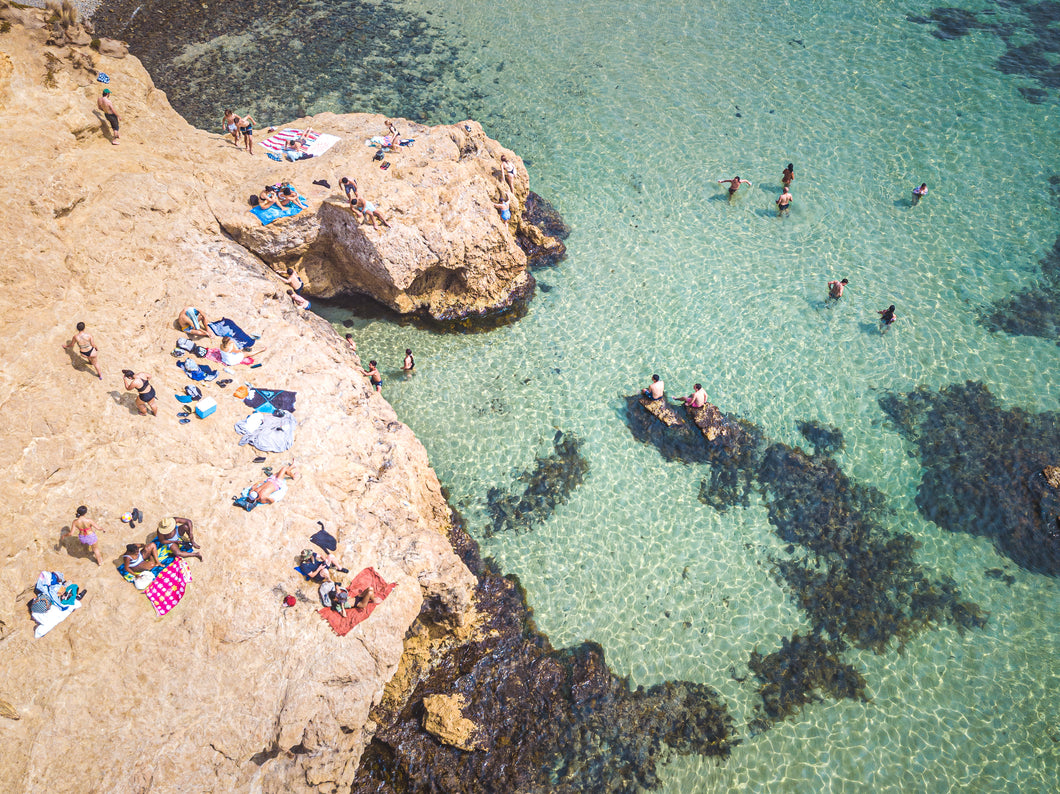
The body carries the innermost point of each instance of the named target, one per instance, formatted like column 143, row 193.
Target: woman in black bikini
column 145, row 392
column 86, row 346
column 789, row 175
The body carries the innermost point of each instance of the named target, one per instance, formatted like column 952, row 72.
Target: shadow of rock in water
column 983, row 468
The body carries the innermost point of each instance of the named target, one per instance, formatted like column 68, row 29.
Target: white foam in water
column 627, row 111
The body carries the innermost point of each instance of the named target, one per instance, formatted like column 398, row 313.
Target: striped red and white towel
column 275, row 142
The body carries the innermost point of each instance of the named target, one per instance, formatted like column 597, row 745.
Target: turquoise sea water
column 627, row 113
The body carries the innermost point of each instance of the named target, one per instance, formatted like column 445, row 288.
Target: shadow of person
column 104, row 125
column 74, row 547
column 125, row 398
column 78, row 362
column 903, row 202
column 871, row 328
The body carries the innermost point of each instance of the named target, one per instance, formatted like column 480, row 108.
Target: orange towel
column 342, row 624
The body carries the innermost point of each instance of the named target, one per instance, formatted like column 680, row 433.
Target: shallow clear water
column 627, row 115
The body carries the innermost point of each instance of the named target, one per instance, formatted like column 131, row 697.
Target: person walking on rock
column 110, row 113
column 87, row 532
column 145, row 392
column 86, row 347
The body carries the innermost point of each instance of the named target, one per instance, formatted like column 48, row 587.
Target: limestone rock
column 1052, row 476
column 243, row 693
column 442, row 718
column 662, row 411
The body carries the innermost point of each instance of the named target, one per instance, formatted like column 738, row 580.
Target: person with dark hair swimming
column 886, row 318
column 789, row 175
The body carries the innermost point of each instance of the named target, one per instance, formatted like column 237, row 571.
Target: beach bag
column 143, row 580
column 193, row 391
column 40, row 604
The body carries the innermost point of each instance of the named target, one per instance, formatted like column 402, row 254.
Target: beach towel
column 316, row 143
column 269, row 400
column 53, row 617
column 266, row 432
column 342, row 624
column 168, row 588
column 225, row 327
column 214, row 354
column 275, row 212
column 165, row 557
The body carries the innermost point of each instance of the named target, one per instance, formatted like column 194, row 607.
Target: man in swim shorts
column 373, row 374
column 172, row 532
column 656, row 390
column 734, row 184
column 193, row 323
column 246, row 129
column 784, row 202
column 272, row 487
column 835, row 289
column 697, row 399
column 110, row 114
column 87, row 532
column 371, row 212
column 86, row 347
column 299, row 301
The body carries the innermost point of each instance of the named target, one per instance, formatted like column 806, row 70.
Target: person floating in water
column 886, row 318
column 789, row 175
column 697, row 399
column 655, row 391
column 919, row 193
column 784, row 202
column 835, row 289
column 734, row 184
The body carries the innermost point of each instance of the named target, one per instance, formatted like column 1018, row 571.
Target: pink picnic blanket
column 342, row 624
column 214, row 354
column 274, row 143
column 168, row 587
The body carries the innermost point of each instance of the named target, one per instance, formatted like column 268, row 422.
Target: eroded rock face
column 447, row 254
column 231, row 691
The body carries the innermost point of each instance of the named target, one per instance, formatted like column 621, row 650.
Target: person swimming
column 734, row 184
column 886, row 318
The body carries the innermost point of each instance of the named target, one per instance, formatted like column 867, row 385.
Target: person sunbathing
column 194, row 323
column 273, row 487
column 334, row 596
column 140, row 557
column 366, row 597
column 231, row 354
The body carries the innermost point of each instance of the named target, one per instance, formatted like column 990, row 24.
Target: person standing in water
column 410, row 363
column 919, row 193
column 784, row 202
column 110, row 114
column 886, row 318
column 734, row 184
column 835, row 289
column 86, row 347
column 789, row 175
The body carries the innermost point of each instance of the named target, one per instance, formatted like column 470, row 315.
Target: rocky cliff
column 231, row 690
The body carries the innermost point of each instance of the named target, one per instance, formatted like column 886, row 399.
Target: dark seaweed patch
column 548, row 720
column 826, row 440
column 1031, row 312
column 548, row 485
column 983, row 468
column 792, row 676
column 277, row 59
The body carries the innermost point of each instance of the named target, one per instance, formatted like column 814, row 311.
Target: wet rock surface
column 548, row 485
column 984, row 468
column 856, row 581
column 549, row 720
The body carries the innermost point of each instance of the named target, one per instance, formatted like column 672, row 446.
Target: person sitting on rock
column 267, row 198
column 140, row 557
column 371, row 212
column 697, row 399
column 366, row 597
column 193, row 323
column 655, row 391
column 273, row 487
column 316, row 568
column 288, row 196
column 172, row 532
column 334, row 596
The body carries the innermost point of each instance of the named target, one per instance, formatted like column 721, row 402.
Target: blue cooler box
column 205, row 407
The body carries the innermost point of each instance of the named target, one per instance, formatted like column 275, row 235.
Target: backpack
column 185, row 344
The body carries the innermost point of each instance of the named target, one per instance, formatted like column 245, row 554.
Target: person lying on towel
column 273, row 488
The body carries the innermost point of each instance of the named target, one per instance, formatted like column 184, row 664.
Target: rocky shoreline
column 242, row 692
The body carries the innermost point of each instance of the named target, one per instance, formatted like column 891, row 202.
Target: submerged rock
column 555, row 721
column 443, row 718
column 984, row 468
column 548, row 485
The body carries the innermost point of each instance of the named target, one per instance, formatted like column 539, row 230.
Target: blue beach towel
column 225, row 327
column 275, row 212
column 275, row 157
column 270, row 400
